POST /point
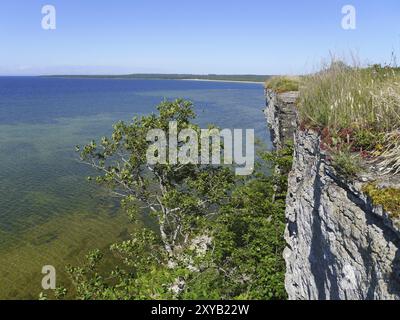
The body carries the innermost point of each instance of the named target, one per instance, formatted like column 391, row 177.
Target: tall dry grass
column 356, row 99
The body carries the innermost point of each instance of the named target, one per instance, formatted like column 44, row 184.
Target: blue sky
column 191, row 36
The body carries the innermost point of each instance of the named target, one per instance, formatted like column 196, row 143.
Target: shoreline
column 211, row 80
column 174, row 79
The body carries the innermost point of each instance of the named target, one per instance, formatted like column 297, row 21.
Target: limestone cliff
column 339, row 245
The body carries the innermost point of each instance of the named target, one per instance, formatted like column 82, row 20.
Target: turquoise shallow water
column 49, row 213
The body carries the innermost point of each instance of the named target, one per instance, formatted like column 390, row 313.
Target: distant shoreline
column 122, row 78
column 253, row 79
column 232, row 81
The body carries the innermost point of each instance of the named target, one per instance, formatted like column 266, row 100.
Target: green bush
column 283, row 84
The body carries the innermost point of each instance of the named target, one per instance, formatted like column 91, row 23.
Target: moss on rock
column 388, row 198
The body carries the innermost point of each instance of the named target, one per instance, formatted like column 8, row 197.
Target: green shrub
column 368, row 140
column 346, row 163
column 283, row 84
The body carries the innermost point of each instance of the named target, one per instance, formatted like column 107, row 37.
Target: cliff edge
column 339, row 245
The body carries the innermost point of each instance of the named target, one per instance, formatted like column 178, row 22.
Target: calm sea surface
column 49, row 213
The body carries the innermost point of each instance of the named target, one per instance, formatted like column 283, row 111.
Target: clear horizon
column 225, row 37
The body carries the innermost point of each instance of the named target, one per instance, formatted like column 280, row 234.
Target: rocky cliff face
column 339, row 246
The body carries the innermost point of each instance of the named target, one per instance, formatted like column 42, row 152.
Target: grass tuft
column 389, row 159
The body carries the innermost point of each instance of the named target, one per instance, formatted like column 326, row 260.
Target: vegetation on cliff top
column 357, row 111
column 282, row 84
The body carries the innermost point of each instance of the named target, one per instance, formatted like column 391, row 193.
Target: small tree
column 220, row 237
column 179, row 195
